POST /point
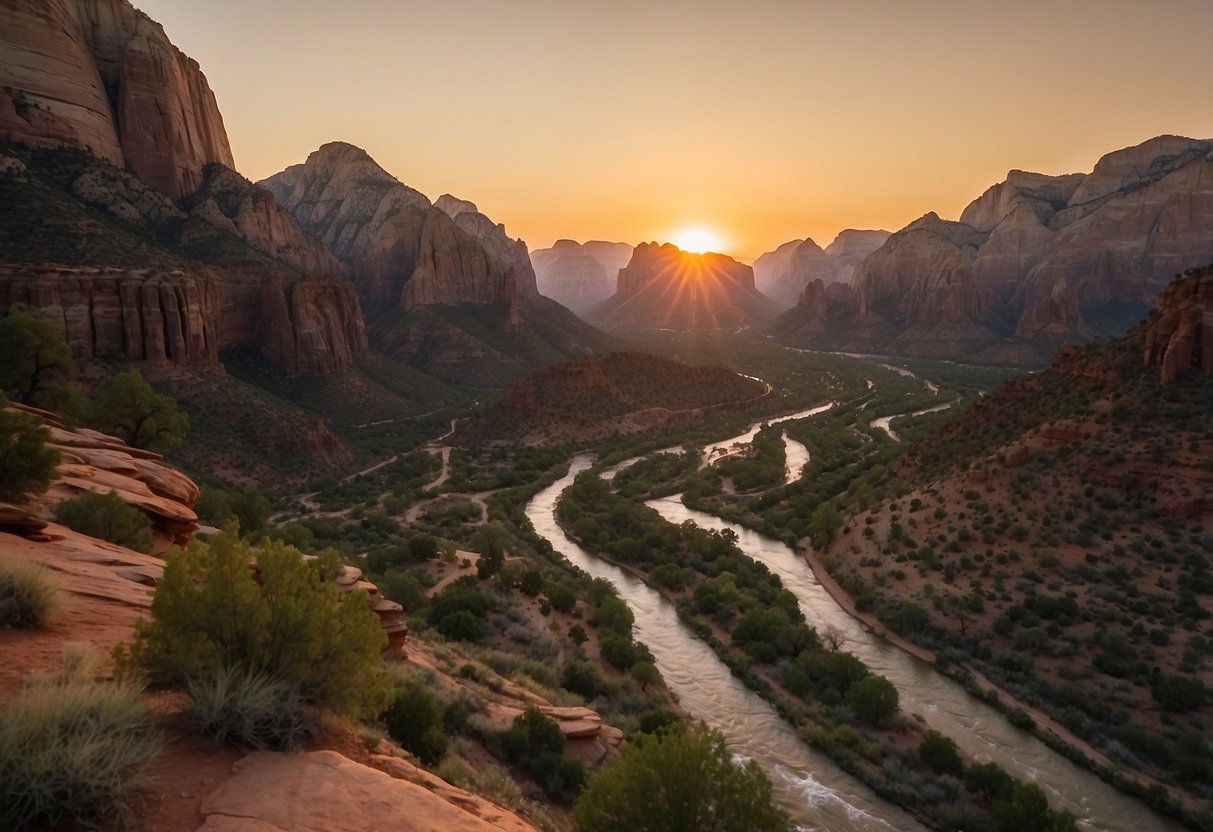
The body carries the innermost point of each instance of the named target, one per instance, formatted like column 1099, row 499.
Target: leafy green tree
column 646, row 673
column 107, row 517
column 252, row 509
column 129, row 408
column 27, row 465
column 264, row 608
column 873, row 699
column 37, row 367
column 939, row 752
column 824, row 524
column 1026, row 808
column 679, row 780
column 415, row 720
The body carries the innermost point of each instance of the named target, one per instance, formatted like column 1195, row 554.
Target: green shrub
column 288, row 621
column 415, row 720
column 37, row 366
column 939, row 752
column 873, row 699
column 29, row 594
column 129, row 408
column 682, row 778
column 233, row 704
column 27, row 465
column 74, row 750
column 107, row 517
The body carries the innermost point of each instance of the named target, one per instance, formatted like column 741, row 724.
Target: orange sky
column 765, row 120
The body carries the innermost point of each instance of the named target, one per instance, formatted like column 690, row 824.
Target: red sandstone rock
column 102, row 76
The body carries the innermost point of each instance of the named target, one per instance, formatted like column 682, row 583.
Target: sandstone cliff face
column 229, row 203
column 663, row 287
column 391, row 237
column 101, row 76
column 302, row 326
column 1040, row 259
column 1180, row 333
column 579, row 276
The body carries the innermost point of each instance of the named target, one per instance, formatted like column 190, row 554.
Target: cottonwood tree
column 37, row 367
column 129, row 408
column 679, row 780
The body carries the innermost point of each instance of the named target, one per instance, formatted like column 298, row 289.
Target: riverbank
column 1047, row 730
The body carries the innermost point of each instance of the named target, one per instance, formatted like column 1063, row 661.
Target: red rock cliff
column 1180, row 334
column 104, row 77
column 303, row 326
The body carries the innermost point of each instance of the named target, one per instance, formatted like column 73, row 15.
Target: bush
column 681, row 778
column 873, row 699
column 73, row 750
column 37, row 366
column 415, row 720
column 107, row 517
column 1179, row 693
column 580, row 678
column 27, row 465
column 29, row 594
column 939, row 752
column 233, row 704
column 288, row 621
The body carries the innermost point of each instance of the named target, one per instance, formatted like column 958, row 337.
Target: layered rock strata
column 303, row 326
column 102, row 76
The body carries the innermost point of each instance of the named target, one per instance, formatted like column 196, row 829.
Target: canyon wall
column 103, row 77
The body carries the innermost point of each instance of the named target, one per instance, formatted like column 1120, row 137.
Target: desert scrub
column 237, row 705
column 72, row 749
column 268, row 611
column 30, row 596
column 27, row 465
column 107, row 517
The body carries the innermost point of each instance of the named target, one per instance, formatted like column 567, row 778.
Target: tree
column 264, row 609
column 37, row 365
column 679, row 780
column 939, row 752
column 129, row 408
column 27, row 465
column 107, row 517
column 1027, row 808
column 824, row 524
column 415, row 720
column 873, row 699
column 646, row 673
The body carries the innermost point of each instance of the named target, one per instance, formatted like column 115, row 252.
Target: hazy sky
column 764, row 120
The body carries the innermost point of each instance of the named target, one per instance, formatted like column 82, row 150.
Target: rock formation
column 1035, row 261
column 228, row 203
column 664, row 287
column 101, row 76
column 579, row 275
column 783, row 273
column 445, row 288
column 394, row 242
column 1180, row 333
column 303, row 326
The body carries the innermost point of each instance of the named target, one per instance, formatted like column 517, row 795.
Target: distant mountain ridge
column 580, row 275
column 445, row 288
column 1034, row 263
column 663, row 287
column 783, row 274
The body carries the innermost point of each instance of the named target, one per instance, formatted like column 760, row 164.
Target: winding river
column 814, row 791
column 816, row 794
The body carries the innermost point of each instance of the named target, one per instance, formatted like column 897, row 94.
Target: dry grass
column 30, row 596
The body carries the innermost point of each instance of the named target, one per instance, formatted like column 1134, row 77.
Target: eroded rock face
column 326, row 792
column 304, row 326
column 1037, row 261
column 579, row 275
column 230, row 204
column 394, row 242
column 1180, row 334
column 101, row 76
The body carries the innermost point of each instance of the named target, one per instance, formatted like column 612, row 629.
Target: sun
column 697, row 241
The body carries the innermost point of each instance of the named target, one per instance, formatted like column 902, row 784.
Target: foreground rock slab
column 322, row 791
